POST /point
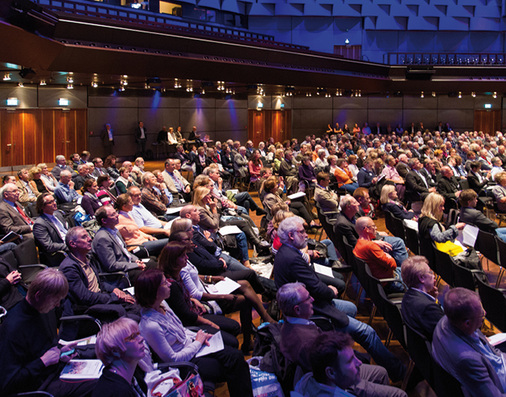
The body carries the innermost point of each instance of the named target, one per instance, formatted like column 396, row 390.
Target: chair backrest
column 501, row 251
column 419, row 350
column 388, row 221
column 464, row 184
column 393, row 317
column 453, row 216
column 412, row 240
column 398, row 228
column 464, row 277
column 338, row 240
column 494, row 303
column 444, row 265
column 486, row 243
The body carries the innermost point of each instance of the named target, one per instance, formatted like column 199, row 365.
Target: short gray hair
column 345, row 201
column 72, row 235
column 289, row 225
column 288, row 296
column 4, row 188
column 60, row 157
column 65, row 172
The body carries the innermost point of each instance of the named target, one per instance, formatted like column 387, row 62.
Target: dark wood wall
column 37, row 135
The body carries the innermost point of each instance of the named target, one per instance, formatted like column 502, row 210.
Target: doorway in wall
column 488, row 121
column 263, row 124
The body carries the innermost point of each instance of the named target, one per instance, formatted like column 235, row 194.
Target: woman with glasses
column 121, row 348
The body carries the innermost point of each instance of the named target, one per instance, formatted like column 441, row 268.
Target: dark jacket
column 421, row 312
column 478, row 219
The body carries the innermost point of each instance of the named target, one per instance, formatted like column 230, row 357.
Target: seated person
column 82, row 175
column 124, row 181
column 50, row 229
column 298, row 334
column 31, row 359
column 12, row 216
column 153, row 196
column 28, row 191
column 175, row 182
column 430, row 227
column 327, row 199
column 91, row 202
column 147, row 222
column 499, row 191
column 12, row 288
column 419, row 307
column 470, row 215
column 121, row 349
column 463, row 351
column 168, row 338
column 366, row 207
column 307, row 174
column 65, row 192
column 390, row 201
column 382, row 264
column 85, row 287
column 131, row 233
column 110, row 248
column 344, row 177
column 288, row 169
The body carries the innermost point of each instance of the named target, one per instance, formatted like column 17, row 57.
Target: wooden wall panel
column 48, row 138
column 38, row 135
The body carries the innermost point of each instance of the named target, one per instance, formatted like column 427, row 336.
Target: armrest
column 29, row 272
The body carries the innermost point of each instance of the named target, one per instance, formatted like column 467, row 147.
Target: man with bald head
column 462, row 350
column 381, row 263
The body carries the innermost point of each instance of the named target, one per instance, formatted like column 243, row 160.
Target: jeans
column 232, row 263
column 331, row 250
column 369, row 340
column 399, row 252
column 501, row 233
column 242, row 244
column 244, row 199
column 155, row 247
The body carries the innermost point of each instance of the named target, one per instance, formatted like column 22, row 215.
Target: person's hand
column 220, row 181
column 228, row 297
column 432, row 189
column 207, row 235
column 457, row 193
column 71, row 184
column 122, row 295
column 375, row 179
column 460, row 225
column 141, row 264
column 314, row 254
column 14, row 277
column 216, row 279
column 334, row 290
column 187, row 189
column 224, row 263
column 199, row 305
column 51, row 357
column 384, row 245
column 66, row 348
column 202, row 337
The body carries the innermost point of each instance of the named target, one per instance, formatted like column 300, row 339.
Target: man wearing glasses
column 462, row 350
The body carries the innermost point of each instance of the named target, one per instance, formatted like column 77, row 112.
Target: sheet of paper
column 326, row 271
column 231, row 229
column 411, row 224
column 215, row 345
column 130, row 290
column 234, row 191
column 226, row 286
column 469, row 235
column 82, row 369
column 497, row 339
column 296, row 195
column 173, row 210
column 90, row 340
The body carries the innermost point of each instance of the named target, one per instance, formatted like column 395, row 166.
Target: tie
column 23, row 215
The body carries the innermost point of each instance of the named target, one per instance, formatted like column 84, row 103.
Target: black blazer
column 421, row 312
column 474, row 183
column 416, row 189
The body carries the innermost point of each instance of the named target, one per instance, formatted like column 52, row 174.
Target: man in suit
column 141, row 137
column 289, row 170
column 12, row 216
column 85, row 288
column 28, row 193
column 463, row 351
column 50, row 229
column 420, row 309
column 99, row 170
column 241, row 163
column 298, row 333
column 110, row 248
column 417, row 187
column 402, row 166
column 107, row 137
column 82, row 175
column 448, row 187
column 327, row 199
column 175, row 182
column 292, row 265
column 61, row 164
column 470, row 215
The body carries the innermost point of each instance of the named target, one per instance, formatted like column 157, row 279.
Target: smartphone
column 68, row 353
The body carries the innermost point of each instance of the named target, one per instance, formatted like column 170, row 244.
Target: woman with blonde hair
column 121, row 348
column 278, row 157
column 48, row 179
column 391, row 203
column 36, row 182
column 430, row 228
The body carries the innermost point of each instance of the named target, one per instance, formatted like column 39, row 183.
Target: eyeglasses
column 304, row 301
column 132, row 337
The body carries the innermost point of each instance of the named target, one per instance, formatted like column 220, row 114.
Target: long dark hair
column 167, row 261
